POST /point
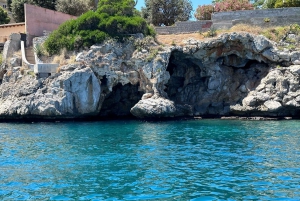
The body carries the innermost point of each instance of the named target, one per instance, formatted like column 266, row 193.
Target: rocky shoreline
column 236, row 74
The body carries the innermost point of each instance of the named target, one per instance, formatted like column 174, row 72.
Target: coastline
column 235, row 74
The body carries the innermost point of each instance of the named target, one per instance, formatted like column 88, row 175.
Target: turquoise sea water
column 134, row 160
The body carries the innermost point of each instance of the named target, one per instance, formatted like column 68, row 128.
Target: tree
column 49, row 4
column 233, row 5
column 17, row 7
column 113, row 18
column 17, row 10
column 8, row 3
column 204, row 12
column 166, row 12
column 287, row 3
column 4, row 19
column 74, row 7
column 269, row 4
column 276, row 3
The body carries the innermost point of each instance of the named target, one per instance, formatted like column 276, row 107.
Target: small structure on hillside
column 7, row 29
column 3, row 4
column 37, row 20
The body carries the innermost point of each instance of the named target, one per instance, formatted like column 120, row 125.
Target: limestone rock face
column 234, row 74
column 278, row 94
column 12, row 45
column 68, row 94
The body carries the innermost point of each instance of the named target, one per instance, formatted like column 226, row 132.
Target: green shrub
column 1, row 58
column 287, row 3
column 114, row 18
column 39, row 50
column 4, row 19
column 204, row 12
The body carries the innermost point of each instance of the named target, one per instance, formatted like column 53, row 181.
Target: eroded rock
column 234, row 74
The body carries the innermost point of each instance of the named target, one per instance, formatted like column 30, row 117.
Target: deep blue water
column 134, row 160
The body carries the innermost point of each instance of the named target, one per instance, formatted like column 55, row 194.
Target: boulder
column 159, row 108
column 272, row 106
column 154, row 108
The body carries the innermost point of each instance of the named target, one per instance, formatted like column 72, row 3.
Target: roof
column 12, row 25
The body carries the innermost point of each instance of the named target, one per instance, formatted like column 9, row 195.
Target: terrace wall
column 40, row 19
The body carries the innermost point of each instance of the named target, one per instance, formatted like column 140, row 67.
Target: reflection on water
column 132, row 160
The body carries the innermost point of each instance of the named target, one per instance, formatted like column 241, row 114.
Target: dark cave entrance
column 119, row 102
column 184, row 75
column 211, row 94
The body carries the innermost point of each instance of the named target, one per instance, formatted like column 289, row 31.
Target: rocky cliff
column 234, row 74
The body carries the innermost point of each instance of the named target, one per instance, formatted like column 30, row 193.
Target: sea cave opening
column 119, row 102
column 209, row 90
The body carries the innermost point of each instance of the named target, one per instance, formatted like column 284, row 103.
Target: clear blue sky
column 196, row 3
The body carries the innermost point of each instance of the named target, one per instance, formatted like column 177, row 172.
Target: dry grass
column 58, row 70
column 22, row 70
column 273, row 33
column 61, row 58
column 64, row 58
column 9, row 73
column 177, row 39
column 18, row 53
column 243, row 28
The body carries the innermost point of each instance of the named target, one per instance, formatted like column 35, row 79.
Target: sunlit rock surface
column 234, row 74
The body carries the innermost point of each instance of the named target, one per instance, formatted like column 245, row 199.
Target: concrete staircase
column 30, row 55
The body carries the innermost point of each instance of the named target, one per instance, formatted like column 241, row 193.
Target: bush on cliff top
column 113, row 18
column 204, row 12
column 233, row 5
column 4, row 19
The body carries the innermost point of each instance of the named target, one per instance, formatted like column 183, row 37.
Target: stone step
column 30, row 55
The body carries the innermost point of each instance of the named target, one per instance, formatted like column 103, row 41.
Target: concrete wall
column 7, row 29
column 185, row 27
column 262, row 17
column 39, row 19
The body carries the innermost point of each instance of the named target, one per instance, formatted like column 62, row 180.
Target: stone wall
column 185, row 27
column 39, row 19
column 225, row 20
column 12, row 45
column 262, row 17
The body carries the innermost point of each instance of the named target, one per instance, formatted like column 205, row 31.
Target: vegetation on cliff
column 204, row 12
column 276, row 3
column 286, row 37
column 17, row 7
column 74, row 7
column 4, row 19
column 113, row 18
column 166, row 12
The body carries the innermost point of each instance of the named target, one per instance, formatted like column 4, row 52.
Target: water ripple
column 132, row 160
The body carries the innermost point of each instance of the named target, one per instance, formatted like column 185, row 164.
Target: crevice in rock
column 104, row 81
column 120, row 101
column 211, row 90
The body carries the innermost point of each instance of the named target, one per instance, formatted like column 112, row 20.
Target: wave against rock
column 234, row 74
